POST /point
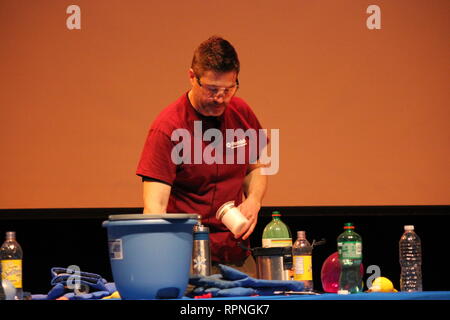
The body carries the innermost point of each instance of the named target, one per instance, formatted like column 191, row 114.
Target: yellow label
column 12, row 271
column 302, row 268
column 270, row 243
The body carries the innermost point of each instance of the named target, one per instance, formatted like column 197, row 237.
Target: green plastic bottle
column 349, row 245
column 276, row 233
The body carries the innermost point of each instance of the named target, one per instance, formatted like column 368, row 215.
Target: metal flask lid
column 201, row 232
column 201, row 228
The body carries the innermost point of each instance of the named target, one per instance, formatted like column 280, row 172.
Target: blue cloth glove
column 231, row 292
column 91, row 280
column 59, row 290
column 87, row 296
column 232, row 282
column 92, row 286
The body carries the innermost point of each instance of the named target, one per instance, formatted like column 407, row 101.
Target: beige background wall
column 363, row 114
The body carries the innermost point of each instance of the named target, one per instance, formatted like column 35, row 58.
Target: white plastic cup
column 231, row 217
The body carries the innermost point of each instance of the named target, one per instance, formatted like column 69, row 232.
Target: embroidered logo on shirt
column 236, row 144
column 189, row 148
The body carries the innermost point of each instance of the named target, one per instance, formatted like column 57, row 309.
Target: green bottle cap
column 349, row 225
column 276, row 214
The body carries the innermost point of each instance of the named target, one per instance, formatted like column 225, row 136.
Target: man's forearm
column 255, row 185
column 156, row 197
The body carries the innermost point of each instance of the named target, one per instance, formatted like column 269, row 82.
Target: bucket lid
column 166, row 216
column 274, row 251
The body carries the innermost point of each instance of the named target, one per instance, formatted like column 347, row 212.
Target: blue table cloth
column 424, row 295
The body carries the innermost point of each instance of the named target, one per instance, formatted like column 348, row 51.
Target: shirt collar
column 193, row 114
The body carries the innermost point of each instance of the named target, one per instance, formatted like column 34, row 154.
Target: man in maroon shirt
column 211, row 124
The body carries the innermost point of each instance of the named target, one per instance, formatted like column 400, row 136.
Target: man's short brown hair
column 215, row 54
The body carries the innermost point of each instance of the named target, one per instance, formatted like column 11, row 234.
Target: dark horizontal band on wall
column 103, row 213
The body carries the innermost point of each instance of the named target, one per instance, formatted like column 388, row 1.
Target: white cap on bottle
column 409, row 228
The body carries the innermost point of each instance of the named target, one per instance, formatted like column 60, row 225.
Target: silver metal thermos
column 201, row 253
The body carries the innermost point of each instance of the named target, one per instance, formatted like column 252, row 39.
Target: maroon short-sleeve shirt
column 184, row 149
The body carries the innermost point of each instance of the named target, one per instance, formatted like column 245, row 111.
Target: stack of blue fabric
column 234, row 283
column 76, row 286
column 71, row 285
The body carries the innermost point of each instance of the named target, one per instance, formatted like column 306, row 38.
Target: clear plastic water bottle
column 11, row 261
column 276, row 233
column 410, row 248
column 350, row 258
column 302, row 261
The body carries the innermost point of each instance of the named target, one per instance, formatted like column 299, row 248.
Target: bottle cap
column 301, row 235
column 10, row 235
column 276, row 214
column 409, row 228
column 349, row 225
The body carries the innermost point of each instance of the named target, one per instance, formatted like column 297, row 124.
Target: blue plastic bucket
column 150, row 254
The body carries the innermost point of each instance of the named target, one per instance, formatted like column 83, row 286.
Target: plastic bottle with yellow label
column 302, row 261
column 11, row 263
column 276, row 233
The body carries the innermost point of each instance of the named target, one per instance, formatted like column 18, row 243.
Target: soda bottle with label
column 276, row 233
column 11, row 262
column 302, row 260
column 350, row 258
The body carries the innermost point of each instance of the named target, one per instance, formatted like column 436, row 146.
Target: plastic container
column 410, row 251
column 150, row 254
column 349, row 245
column 231, row 217
column 11, row 256
column 276, row 233
column 302, row 261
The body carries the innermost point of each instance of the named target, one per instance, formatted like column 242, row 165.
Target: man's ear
column 191, row 76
